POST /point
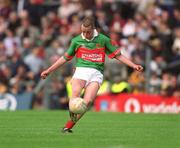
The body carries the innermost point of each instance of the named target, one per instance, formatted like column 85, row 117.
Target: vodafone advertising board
column 137, row 103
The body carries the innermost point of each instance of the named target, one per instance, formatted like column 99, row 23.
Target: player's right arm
column 53, row 67
column 62, row 60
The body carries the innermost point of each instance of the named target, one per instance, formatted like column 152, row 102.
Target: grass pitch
column 41, row 129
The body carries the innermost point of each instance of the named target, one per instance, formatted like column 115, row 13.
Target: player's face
column 87, row 32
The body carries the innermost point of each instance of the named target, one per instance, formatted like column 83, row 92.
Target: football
column 77, row 105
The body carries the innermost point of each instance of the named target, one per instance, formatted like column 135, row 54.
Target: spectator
column 102, row 21
column 64, row 36
column 58, row 95
column 3, row 56
column 137, row 81
column 74, row 28
column 47, row 32
column 12, row 43
column 34, row 62
column 3, row 27
column 176, row 44
column 117, row 23
column 143, row 31
column 13, row 21
column 166, row 85
column 155, row 83
column 27, row 45
column 5, row 8
column 35, row 9
column 5, row 74
column 54, row 19
column 26, row 29
column 129, row 28
column 67, row 8
column 18, row 82
column 175, row 22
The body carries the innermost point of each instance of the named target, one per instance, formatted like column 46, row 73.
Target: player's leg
column 77, row 87
column 95, row 78
column 89, row 96
column 91, row 93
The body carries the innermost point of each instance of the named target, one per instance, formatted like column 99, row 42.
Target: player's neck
column 95, row 33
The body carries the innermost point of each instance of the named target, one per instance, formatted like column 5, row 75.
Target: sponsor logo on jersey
column 92, row 57
column 95, row 55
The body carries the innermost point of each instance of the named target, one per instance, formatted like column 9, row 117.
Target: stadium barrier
column 137, row 103
column 16, row 102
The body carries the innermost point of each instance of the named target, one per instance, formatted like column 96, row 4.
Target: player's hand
column 138, row 68
column 44, row 74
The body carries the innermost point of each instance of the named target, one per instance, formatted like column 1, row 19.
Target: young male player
column 90, row 48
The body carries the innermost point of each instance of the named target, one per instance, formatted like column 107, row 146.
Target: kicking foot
column 66, row 130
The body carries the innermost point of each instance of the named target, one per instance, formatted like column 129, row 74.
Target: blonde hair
column 88, row 22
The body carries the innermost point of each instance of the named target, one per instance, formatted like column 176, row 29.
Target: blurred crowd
column 34, row 33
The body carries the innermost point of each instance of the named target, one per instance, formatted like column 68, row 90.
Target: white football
column 77, row 105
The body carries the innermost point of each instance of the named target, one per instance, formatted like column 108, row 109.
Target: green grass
column 41, row 129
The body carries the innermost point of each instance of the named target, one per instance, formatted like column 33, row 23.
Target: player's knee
column 76, row 92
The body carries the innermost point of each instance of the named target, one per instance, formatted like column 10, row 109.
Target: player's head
column 87, row 27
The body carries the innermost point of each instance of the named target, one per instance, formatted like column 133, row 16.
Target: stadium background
column 34, row 33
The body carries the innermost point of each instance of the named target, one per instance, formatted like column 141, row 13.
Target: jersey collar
column 94, row 35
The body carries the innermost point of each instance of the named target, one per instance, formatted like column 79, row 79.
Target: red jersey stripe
column 68, row 56
column 112, row 55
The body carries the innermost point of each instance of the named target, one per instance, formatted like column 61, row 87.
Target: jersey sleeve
column 69, row 54
column 111, row 50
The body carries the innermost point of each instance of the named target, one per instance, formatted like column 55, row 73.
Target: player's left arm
column 128, row 62
column 115, row 52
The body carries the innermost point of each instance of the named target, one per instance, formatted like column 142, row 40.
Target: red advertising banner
column 137, row 103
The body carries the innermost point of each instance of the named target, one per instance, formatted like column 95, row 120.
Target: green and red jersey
column 92, row 53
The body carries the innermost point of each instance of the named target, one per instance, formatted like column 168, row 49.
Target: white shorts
column 88, row 74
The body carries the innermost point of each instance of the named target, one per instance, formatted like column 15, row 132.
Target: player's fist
column 138, row 68
column 44, row 74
